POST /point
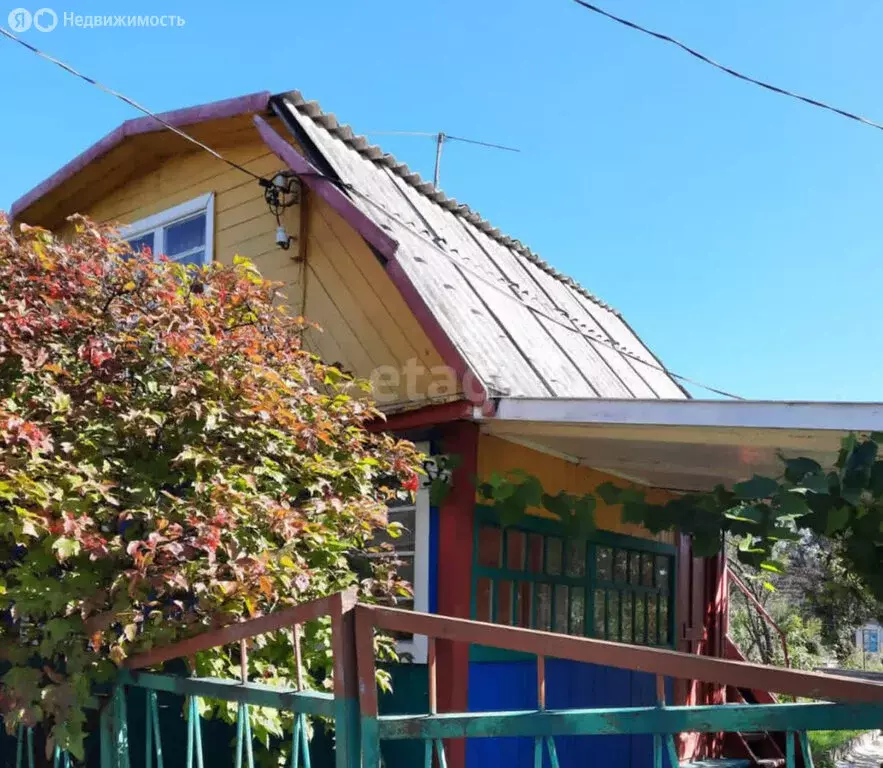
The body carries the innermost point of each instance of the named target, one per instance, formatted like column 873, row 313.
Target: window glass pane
column 599, row 613
column 483, row 600
column 640, row 620
column 193, row 257
column 576, row 558
column 612, row 614
column 604, row 563
column 627, row 626
column 515, row 541
column 489, row 546
column 525, row 604
column 561, row 608
column 663, row 621
column 535, row 553
column 577, row 611
column 662, row 573
column 544, row 607
column 140, row 243
column 634, row 567
column 652, row 625
column 620, row 566
column 647, row 570
column 406, row 518
column 503, row 600
column 185, row 235
column 553, row 556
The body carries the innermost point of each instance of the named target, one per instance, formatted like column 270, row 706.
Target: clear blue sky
column 739, row 232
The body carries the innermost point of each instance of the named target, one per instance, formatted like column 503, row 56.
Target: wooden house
column 476, row 347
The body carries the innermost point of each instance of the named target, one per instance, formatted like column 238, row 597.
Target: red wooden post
column 456, row 520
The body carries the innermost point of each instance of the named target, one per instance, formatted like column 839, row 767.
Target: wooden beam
column 637, row 720
column 638, row 658
column 233, row 633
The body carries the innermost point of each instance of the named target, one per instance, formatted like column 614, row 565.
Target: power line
column 728, row 70
column 131, row 103
column 350, row 188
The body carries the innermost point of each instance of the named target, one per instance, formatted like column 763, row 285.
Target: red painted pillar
column 456, row 519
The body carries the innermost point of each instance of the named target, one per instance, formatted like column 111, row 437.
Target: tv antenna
column 440, row 139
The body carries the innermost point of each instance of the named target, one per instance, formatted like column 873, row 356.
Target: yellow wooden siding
column 556, row 474
column 366, row 325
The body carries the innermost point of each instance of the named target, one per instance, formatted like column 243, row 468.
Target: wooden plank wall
column 366, row 326
column 556, row 474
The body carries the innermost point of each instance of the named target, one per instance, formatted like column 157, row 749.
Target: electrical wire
column 350, row 188
column 702, row 57
column 131, row 103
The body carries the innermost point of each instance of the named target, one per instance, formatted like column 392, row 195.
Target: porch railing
column 360, row 728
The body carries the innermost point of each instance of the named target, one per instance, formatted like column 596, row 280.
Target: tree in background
column 173, row 460
column 814, row 597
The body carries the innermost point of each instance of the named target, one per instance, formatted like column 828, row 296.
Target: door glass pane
column 640, row 620
column 663, row 621
column 483, row 600
column 185, row 235
column 599, row 613
column 647, row 570
column 553, row 556
column 651, row 620
column 525, row 604
column 577, row 611
column 620, row 566
column 489, row 546
column 662, row 573
column 576, row 558
column 612, row 614
column 627, row 627
column 503, row 599
column 515, row 541
column 561, row 608
column 544, row 607
column 140, row 243
column 535, row 553
column 604, row 563
column 634, row 567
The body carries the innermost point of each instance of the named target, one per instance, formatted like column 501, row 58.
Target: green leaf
column 66, row 548
column 757, row 487
column 773, row 566
column 837, row 520
column 609, row 493
column 791, row 505
column 706, row 545
column 797, row 469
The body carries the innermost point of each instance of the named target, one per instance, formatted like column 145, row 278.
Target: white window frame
column 417, row 646
column 158, row 221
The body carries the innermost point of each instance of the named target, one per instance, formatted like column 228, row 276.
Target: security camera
column 283, row 240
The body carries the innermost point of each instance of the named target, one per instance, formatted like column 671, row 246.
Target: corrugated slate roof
column 524, row 328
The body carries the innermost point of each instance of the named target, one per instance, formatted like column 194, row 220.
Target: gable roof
column 505, row 315
column 525, row 329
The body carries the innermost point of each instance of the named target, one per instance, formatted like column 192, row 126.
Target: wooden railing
column 864, row 707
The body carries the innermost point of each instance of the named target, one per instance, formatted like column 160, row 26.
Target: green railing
column 663, row 722
column 352, row 705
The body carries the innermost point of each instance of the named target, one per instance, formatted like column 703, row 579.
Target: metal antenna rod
column 439, row 143
column 440, row 139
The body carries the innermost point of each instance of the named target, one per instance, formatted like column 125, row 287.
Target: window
column 412, row 549
column 611, row 587
column 183, row 233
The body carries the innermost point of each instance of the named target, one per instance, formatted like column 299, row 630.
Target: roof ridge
column 375, row 154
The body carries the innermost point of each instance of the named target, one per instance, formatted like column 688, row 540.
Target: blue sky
column 739, row 232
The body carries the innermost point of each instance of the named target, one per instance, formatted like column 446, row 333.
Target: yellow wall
column 366, row 326
column 498, row 455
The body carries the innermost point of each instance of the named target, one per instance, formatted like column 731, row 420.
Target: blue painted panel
column 507, row 685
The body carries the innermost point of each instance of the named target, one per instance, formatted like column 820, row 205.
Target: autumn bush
column 173, row 459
